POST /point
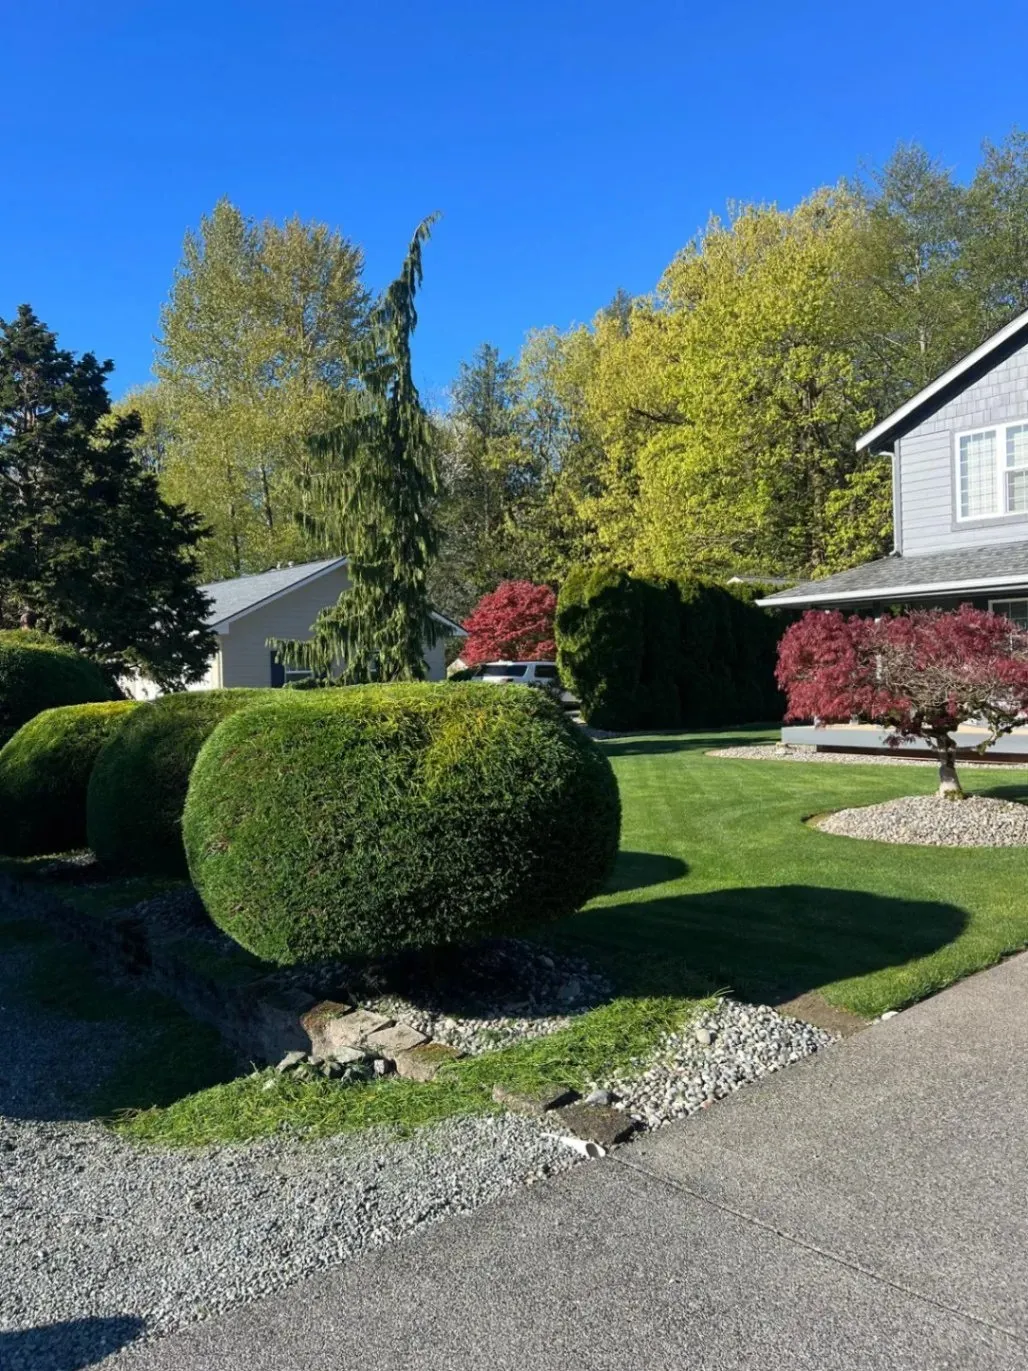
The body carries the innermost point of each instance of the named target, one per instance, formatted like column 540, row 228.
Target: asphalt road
column 866, row 1209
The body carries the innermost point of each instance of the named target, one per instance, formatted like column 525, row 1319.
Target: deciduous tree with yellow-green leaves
column 251, row 363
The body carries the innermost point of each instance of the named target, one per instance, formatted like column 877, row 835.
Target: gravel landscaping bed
column 930, row 821
column 710, row 1058
column 94, row 1227
column 98, row 1233
column 788, row 752
column 498, row 993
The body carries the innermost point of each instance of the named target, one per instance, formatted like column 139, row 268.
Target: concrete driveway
column 866, row 1209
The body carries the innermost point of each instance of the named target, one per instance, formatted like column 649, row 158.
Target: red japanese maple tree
column 919, row 674
column 512, row 623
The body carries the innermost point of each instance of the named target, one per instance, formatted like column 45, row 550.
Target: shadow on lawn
column 1001, row 792
column 655, row 744
column 766, row 943
column 68, row 1346
column 636, row 870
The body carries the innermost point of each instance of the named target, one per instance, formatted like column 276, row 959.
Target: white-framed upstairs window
column 1016, row 469
column 992, row 472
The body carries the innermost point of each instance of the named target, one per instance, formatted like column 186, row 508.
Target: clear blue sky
column 572, row 147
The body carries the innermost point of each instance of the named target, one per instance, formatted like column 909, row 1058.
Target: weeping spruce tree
column 377, row 478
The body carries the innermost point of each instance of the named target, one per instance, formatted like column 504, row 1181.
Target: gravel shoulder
column 96, row 1228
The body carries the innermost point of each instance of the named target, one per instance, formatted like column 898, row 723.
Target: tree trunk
column 949, row 784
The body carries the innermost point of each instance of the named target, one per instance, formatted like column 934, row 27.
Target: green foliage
column 38, row 673
column 599, row 642
column 252, row 360
column 376, row 482
column 377, row 818
column 651, row 654
column 859, row 516
column 138, row 786
column 44, row 775
column 708, row 429
column 86, row 542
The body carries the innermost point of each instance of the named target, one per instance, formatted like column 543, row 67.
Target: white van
column 543, row 674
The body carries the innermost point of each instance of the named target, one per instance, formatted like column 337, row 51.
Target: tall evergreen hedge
column 37, row 673
column 618, row 647
column 377, row 818
column 660, row 654
column 138, row 785
column 44, row 776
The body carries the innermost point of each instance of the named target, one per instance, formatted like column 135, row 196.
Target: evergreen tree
column 86, row 542
column 482, row 473
column 375, row 479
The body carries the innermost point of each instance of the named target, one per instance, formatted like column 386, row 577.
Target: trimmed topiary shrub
column 44, row 775
column 38, row 673
column 390, row 817
column 138, row 786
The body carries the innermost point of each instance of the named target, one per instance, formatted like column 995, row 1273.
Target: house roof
column 241, row 595
column 974, row 570
column 950, row 383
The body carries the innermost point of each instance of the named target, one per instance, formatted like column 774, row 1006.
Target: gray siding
column 244, row 657
column 925, row 502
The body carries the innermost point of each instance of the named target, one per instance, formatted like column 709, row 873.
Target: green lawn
column 720, row 878
column 720, row 884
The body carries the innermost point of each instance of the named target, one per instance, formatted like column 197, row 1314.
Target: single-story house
column 959, row 452
column 283, row 603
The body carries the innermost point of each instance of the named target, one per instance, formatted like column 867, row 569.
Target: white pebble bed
column 711, row 1057
column 930, row 821
column 787, row 752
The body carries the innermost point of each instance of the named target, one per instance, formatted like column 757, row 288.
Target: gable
column 970, row 370
column 926, row 495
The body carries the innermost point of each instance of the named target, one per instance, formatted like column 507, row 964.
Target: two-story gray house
column 959, row 452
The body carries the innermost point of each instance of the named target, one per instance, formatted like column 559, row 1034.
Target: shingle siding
column 926, row 499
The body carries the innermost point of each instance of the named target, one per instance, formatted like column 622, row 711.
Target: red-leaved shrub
column 512, row 623
column 920, row 675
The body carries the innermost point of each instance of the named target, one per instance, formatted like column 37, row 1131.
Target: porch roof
column 971, row 571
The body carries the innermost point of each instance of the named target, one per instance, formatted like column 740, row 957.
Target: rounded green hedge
column 390, row 817
column 38, row 673
column 138, row 786
column 44, row 775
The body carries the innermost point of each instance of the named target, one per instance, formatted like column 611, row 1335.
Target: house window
column 1017, row 469
column 992, row 472
column 282, row 675
column 978, row 475
column 1014, row 610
